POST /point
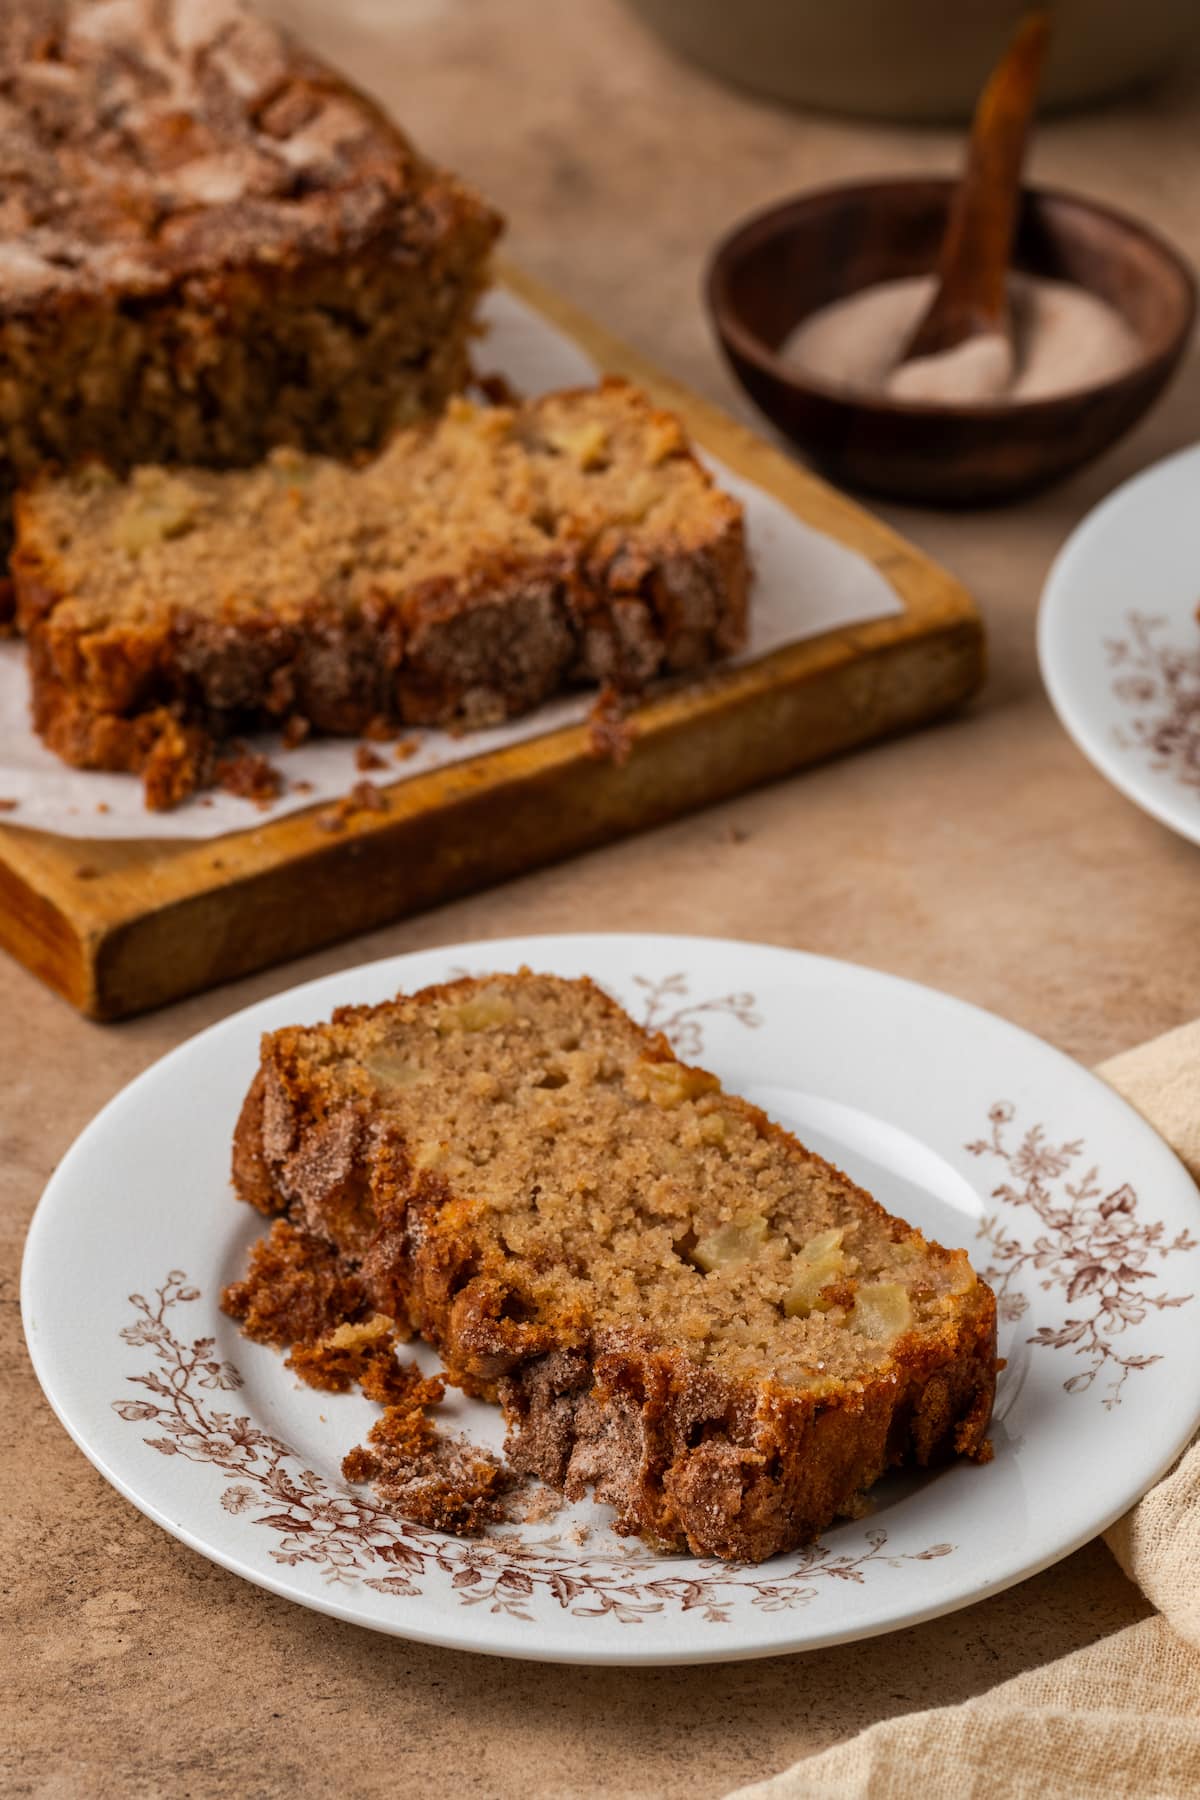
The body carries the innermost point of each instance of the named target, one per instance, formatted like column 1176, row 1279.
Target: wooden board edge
column 572, row 803
column 48, row 942
column 182, row 868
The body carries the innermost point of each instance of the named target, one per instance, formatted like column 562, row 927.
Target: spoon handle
column 973, row 265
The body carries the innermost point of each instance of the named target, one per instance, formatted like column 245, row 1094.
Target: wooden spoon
column 970, row 300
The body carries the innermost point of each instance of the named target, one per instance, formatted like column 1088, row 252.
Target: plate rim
column 513, row 1645
column 1106, row 759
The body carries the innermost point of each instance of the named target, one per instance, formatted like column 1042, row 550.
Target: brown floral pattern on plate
column 1159, row 684
column 1093, row 1245
column 351, row 1540
column 666, row 1008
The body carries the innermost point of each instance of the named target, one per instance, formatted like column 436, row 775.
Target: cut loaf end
column 212, row 244
column 678, row 1306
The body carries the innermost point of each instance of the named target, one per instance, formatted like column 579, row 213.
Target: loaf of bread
column 210, row 244
column 479, row 564
column 677, row 1304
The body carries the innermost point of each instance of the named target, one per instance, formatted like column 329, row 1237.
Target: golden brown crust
column 690, row 1455
column 296, row 1289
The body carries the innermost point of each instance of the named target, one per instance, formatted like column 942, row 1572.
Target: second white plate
column 1080, row 1216
column 1119, row 641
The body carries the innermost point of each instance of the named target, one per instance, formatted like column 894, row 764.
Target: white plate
column 1119, row 642
column 980, row 1134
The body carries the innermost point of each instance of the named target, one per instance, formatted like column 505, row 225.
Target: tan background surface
column 984, row 857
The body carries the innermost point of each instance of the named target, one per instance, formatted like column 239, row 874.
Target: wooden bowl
column 783, row 264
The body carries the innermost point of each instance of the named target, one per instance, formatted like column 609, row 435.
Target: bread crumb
column 364, row 796
column 543, row 1503
column 295, row 731
column 249, row 776
column 367, row 797
column 431, row 1477
column 365, row 758
column 7, row 806
column 610, row 733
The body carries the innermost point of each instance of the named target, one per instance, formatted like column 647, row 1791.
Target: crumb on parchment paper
column 249, row 776
column 364, row 796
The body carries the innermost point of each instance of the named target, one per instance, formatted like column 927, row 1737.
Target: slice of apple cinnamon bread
column 676, row 1304
column 478, row 565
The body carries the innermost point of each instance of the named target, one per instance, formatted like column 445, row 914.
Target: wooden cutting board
column 117, row 927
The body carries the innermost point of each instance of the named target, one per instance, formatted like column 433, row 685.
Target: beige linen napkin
column 1119, row 1720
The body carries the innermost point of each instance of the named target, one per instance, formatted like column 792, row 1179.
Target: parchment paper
column 805, row 583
